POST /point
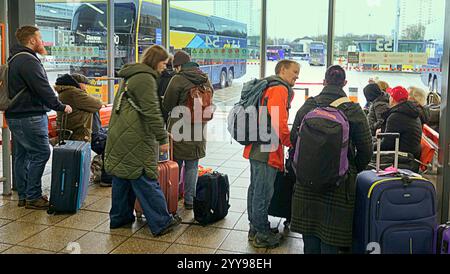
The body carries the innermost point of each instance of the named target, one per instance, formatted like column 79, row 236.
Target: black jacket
column 27, row 72
column 424, row 114
column 404, row 118
column 360, row 139
column 376, row 111
column 164, row 81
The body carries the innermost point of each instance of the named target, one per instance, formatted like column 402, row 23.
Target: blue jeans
column 260, row 192
column 151, row 199
column 314, row 245
column 190, row 179
column 31, row 152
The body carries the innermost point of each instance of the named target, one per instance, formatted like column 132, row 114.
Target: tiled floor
column 31, row 231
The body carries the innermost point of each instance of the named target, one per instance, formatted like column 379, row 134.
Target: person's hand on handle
column 68, row 109
column 164, row 148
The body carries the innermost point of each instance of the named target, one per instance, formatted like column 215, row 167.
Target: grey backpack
column 5, row 100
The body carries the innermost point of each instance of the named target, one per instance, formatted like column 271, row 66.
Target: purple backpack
column 320, row 160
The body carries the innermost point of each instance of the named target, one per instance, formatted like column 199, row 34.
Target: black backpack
column 212, row 199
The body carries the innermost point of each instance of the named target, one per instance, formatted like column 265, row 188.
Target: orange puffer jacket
column 276, row 96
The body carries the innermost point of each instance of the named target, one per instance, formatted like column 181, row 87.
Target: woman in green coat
column 136, row 127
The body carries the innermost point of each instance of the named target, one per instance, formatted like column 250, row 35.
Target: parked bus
column 317, row 53
column 432, row 73
column 138, row 26
column 278, row 52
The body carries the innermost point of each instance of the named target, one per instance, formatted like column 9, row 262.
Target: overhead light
column 95, row 8
column 101, row 24
column 52, row 11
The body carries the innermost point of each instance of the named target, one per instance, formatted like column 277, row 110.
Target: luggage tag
column 390, row 171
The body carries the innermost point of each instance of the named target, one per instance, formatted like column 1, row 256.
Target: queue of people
column 143, row 119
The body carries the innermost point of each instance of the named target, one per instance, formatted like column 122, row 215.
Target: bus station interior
column 401, row 42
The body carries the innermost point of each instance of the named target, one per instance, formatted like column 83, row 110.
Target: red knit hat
column 399, row 94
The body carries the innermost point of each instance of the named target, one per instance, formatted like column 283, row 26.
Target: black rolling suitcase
column 70, row 174
column 212, row 199
column 281, row 202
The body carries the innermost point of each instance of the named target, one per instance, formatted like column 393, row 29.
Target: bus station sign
column 353, row 58
column 395, row 58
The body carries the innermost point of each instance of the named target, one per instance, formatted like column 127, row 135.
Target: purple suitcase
column 442, row 239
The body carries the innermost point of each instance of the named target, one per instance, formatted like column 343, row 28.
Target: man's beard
column 41, row 50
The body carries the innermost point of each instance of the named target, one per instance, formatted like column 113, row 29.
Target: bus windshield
column 317, row 51
column 137, row 29
column 92, row 18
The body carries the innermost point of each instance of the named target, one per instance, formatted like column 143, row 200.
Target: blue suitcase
column 394, row 214
column 70, row 176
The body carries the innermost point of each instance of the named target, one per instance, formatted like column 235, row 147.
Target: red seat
column 105, row 116
column 427, row 153
column 429, row 145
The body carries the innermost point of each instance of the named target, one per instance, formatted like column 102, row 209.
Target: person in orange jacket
column 266, row 160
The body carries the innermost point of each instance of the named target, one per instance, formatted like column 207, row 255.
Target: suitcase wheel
column 139, row 214
column 51, row 210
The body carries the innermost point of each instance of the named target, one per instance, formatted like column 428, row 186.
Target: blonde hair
column 153, row 55
column 417, row 95
column 383, row 85
column 284, row 64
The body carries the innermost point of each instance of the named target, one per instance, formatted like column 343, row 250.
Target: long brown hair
column 153, row 55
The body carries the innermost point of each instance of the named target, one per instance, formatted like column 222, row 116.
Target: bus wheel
column 223, row 79
column 230, row 78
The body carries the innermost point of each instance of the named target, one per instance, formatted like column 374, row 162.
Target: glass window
column 190, row 21
column 297, row 30
column 149, row 31
column 399, row 42
column 227, row 27
column 222, row 36
column 75, row 34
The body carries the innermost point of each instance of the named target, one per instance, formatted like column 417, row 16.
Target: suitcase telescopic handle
column 170, row 152
column 63, row 129
column 170, row 147
column 380, row 136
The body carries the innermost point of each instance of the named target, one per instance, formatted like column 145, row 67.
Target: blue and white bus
column 138, row 26
column 317, row 53
column 278, row 52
